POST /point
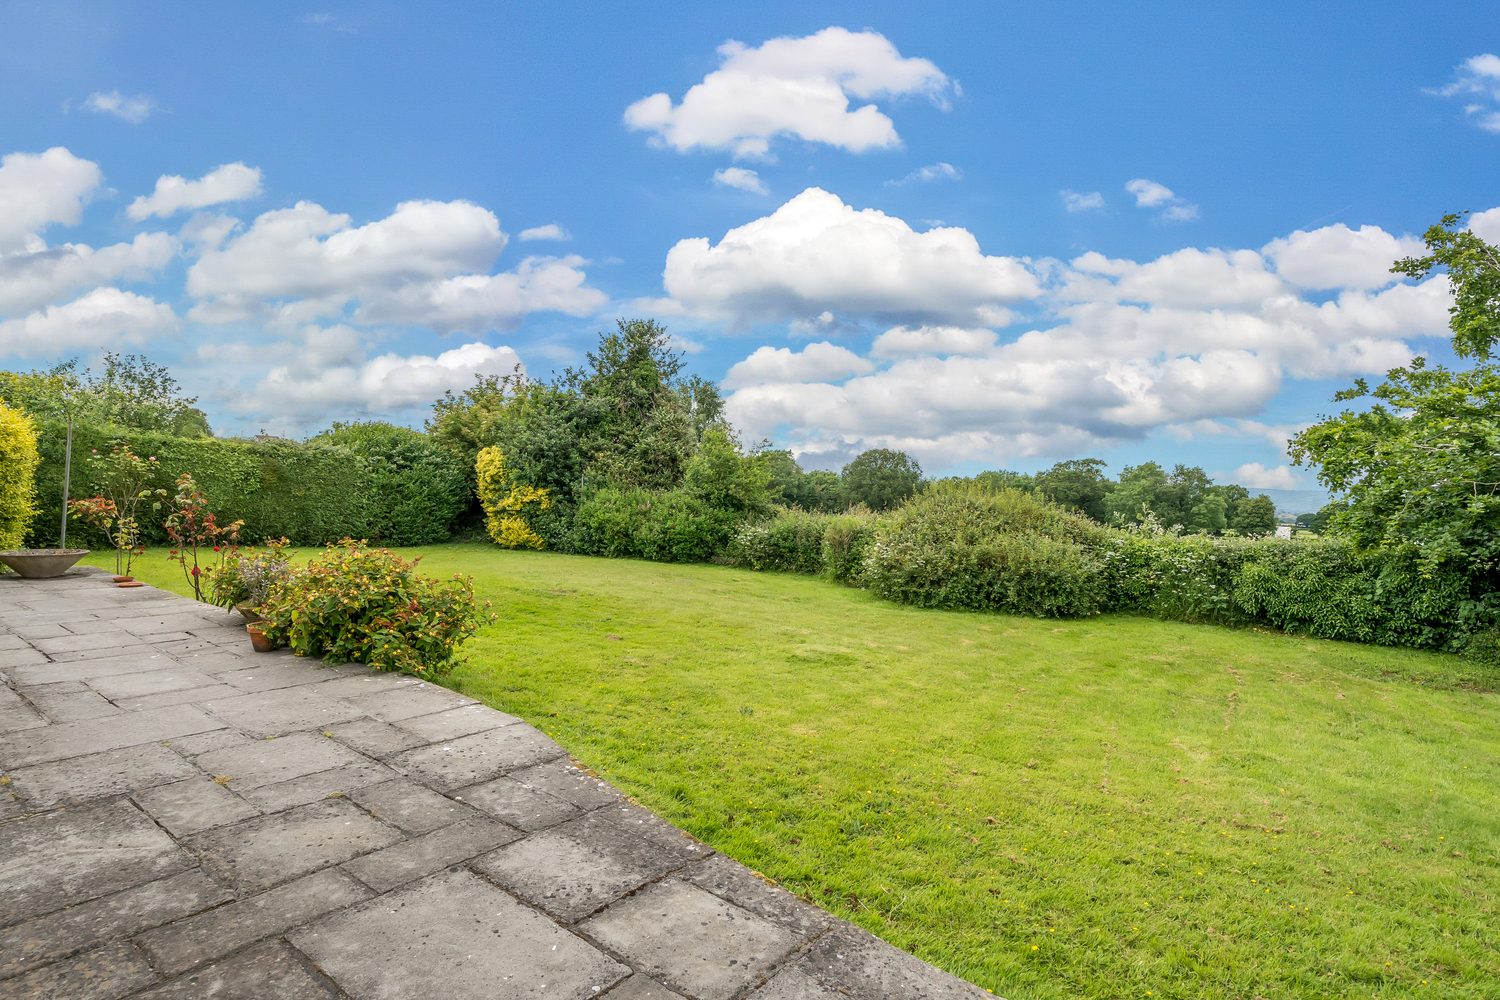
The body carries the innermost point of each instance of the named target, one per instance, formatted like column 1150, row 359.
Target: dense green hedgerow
column 965, row 546
column 660, row 525
column 791, row 541
column 312, row 493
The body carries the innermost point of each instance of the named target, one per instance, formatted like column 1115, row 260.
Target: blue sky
column 992, row 236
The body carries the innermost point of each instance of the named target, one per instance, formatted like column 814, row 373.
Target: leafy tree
column 880, row 478
column 131, row 392
column 1140, row 488
column 1421, row 467
column 463, row 424
column 1004, row 479
column 1078, row 484
column 1255, row 516
column 818, row 490
column 726, row 479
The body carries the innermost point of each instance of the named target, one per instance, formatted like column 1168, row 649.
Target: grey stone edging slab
column 181, row 817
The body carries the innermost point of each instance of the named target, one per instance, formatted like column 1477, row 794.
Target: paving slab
column 70, row 706
column 412, row 859
column 262, row 852
column 106, row 973
column 61, row 858
column 45, row 671
column 266, row 762
column 74, row 739
column 574, row 869
column 410, row 807
column 16, row 714
column 267, row 971
column 569, row 782
column 855, row 963
column 278, row 673
column 692, row 940
column 375, row 738
column 64, row 932
column 287, row 710
column 472, row 759
column 455, row 722
column 200, row 939
column 521, row 806
column 173, row 677
column 182, row 696
column 321, row 785
column 730, row 880
column 639, row 987
column 112, row 772
column 408, row 700
column 490, row 947
column 195, row 746
column 194, row 805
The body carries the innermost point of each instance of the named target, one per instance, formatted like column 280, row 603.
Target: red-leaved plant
column 192, row 527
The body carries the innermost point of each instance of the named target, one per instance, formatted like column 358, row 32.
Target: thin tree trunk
column 67, row 477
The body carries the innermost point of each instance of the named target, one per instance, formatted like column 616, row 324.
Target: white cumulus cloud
column 551, row 231
column 1256, row 476
column 428, row 263
column 815, row 254
column 797, row 87
column 926, row 175
column 131, row 109
column 102, row 319
column 1150, row 194
column 380, row 385
column 1081, row 201
column 1339, row 257
column 814, row 363
column 230, row 182
column 31, row 279
column 739, row 177
column 38, row 190
column 1194, row 338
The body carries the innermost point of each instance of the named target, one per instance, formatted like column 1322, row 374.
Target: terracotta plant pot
column 130, row 583
column 41, row 564
column 259, row 640
column 123, row 579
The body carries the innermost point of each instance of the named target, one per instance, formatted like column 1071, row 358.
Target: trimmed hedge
column 312, row 493
column 663, row 526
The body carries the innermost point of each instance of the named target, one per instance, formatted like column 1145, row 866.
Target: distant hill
column 1295, row 501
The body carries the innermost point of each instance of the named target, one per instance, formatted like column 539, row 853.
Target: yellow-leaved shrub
column 508, row 506
column 18, row 462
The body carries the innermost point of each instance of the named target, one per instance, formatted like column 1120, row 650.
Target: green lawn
column 1114, row 807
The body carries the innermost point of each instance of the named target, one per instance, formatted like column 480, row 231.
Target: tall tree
column 1079, row 484
column 881, row 478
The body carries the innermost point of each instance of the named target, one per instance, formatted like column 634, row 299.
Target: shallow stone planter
column 41, row 564
column 249, row 612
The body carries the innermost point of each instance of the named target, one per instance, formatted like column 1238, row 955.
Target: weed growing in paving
column 1115, row 807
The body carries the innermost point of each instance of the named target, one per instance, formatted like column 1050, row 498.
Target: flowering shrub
column 192, row 527
column 372, row 606
column 792, row 542
column 509, row 508
column 123, row 478
column 247, row 575
column 18, row 462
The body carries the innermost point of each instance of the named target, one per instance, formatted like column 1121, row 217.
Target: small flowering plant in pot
column 372, row 606
column 245, row 578
column 195, row 531
column 123, row 479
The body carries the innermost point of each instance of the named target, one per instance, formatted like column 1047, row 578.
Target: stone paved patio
column 181, row 818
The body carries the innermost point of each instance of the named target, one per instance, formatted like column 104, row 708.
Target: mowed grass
column 1114, row 807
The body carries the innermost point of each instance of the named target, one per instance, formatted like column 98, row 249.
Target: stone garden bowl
column 41, row 564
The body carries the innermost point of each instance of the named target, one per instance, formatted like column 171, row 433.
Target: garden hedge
column 311, row 493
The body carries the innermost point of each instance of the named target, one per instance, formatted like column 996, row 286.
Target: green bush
column 1189, row 578
column 964, row 546
column 18, row 462
column 660, row 525
column 372, row 606
column 846, row 542
column 791, row 542
column 312, row 493
column 419, row 489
